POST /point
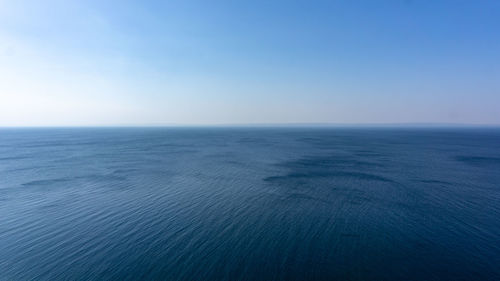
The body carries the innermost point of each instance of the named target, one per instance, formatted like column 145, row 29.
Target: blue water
column 249, row 204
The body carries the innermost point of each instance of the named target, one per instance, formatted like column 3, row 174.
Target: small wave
column 312, row 175
column 479, row 160
column 45, row 182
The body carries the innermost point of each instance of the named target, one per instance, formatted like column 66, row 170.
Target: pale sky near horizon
column 65, row 63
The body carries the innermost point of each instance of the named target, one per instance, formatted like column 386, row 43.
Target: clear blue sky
column 215, row 62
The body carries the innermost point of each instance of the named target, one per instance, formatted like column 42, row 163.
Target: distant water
column 249, row 204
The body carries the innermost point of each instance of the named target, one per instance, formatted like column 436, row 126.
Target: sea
column 250, row 203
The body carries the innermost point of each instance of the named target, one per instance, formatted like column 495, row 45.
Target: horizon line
column 294, row 124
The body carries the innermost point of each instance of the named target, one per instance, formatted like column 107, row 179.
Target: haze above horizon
column 89, row 63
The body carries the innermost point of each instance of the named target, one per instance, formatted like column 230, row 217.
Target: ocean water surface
column 249, row 204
